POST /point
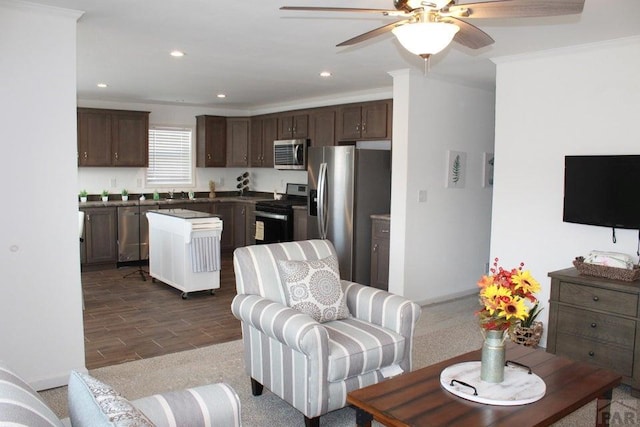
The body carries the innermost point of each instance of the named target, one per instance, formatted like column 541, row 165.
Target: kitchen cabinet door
column 250, row 217
column 239, row 224
column 211, row 141
column 101, row 235
column 376, row 120
column 322, row 127
column 255, row 150
column 130, row 139
column 94, row 138
column 264, row 130
column 238, row 130
column 350, row 121
column 226, row 212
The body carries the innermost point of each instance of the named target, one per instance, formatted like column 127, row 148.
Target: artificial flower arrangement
column 504, row 295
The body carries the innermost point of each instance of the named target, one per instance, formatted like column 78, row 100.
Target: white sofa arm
column 212, row 404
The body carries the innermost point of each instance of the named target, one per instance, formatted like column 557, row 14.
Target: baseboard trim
column 55, row 381
column 447, row 298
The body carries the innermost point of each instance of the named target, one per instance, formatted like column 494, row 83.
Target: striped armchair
column 311, row 365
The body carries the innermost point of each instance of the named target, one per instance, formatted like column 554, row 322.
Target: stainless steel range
column 274, row 218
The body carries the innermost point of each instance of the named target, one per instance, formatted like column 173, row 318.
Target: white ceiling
column 259, row 55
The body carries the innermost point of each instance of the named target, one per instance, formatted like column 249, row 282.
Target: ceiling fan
column 427, row 27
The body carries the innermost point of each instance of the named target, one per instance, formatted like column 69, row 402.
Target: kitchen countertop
column 151, row 202
column 184, row 213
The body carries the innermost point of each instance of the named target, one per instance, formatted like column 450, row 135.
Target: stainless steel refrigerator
column 346, row 186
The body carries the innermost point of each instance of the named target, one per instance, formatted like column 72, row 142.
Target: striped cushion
column 20, row 405
column 209, row 405
column 357, row 347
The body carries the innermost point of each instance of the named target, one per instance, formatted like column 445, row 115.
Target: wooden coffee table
column 417, row 399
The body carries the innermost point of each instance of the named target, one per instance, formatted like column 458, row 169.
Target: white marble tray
column 518, row 388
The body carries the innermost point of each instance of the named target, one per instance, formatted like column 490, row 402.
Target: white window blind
column 170, row 157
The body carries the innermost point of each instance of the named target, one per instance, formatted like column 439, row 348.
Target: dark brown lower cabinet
column 226, row 212
column 100, row 235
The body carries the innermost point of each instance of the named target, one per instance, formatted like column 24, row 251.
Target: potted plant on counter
column 125, row 195
column 83, row 196
column 105, row 195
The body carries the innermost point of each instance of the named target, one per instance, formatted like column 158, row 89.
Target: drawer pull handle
column 596, row 298
column 591, row 353
column 593, row 325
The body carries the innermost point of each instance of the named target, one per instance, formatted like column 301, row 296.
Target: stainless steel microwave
column 290, row 154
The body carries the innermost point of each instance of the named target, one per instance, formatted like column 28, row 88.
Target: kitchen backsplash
column 95, row 180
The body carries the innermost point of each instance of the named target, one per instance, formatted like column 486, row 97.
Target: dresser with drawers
column 595, row 320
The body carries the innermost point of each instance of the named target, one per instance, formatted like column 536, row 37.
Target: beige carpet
column 444, row 330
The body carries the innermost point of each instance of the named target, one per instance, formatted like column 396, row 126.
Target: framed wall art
column 456, row 169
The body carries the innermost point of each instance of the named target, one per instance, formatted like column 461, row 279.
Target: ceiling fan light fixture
column 425, row 38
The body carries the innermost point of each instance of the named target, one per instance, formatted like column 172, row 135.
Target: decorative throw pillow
column 313, row 287
column 94, row 403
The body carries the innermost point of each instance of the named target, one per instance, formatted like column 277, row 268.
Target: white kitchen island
column 184, row 249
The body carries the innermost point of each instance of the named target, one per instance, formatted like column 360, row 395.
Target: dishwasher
column 133, row 233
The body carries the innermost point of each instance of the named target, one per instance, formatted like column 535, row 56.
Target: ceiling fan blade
column 337, row 9
column 470, row 35
column 373, row 33
column 519, row 8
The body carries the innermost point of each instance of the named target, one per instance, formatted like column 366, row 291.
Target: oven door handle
column 271, row 215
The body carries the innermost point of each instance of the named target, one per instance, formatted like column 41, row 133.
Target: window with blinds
column 170, row 157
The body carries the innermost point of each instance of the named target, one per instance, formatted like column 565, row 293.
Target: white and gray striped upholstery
column 311, row 365
column 20, row 405
column 214, row 405
column 208, row 405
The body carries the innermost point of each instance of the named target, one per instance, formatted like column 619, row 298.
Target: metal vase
column 493, row 357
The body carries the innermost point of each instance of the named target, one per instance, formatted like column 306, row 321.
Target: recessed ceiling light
column 325, row 74
column 177, row 53
column 221, row 95
column 102, row 85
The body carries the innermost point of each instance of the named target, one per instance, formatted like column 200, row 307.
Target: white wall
column 581, row 100
column 438, row 248
column 41, row 332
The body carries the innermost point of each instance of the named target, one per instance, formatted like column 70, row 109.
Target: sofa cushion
column 94, row 403
column 22, row 405
column 357, row 347
column 313, row 287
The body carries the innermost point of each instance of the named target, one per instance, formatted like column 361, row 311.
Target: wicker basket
column 627, row 275
column 527, row 336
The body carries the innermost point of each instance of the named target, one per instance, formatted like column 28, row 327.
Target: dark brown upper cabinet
column 322, row 127
column 113, row 138
column 264, row 130
column 238, row 131
column 362, row 121
column 211, row 141
column 293, row 126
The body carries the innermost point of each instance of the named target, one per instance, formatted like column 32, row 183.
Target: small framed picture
column 487, row 170
column 456, row 169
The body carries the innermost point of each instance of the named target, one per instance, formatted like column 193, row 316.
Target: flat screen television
column 602, row 190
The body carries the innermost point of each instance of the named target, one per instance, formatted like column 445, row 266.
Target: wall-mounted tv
column 602, row 190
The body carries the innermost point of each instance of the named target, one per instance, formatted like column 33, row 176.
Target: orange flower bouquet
column 504, row 295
